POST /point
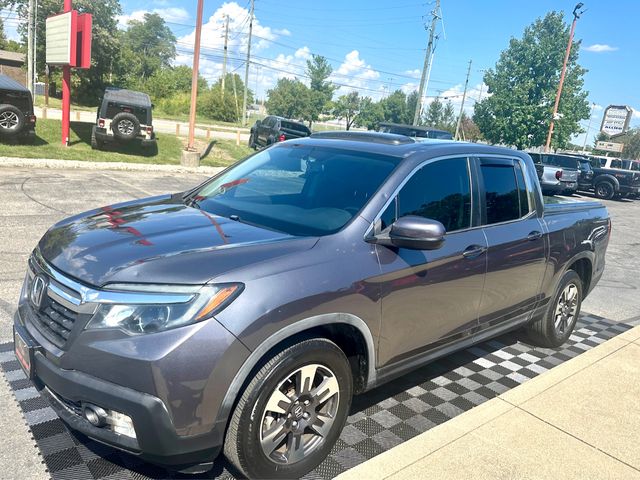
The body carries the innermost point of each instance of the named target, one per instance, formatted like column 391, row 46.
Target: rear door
column 517, row 242
column 431, row 297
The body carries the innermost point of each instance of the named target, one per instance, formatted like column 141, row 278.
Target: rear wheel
column 125, row 126
column 292, row 412
column 562, row 314
column 605, row 190
column 11, row 120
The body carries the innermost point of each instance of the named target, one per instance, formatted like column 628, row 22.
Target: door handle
column 474, row 251
column 535, row 235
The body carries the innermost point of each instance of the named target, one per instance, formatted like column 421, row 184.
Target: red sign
column 83, row 41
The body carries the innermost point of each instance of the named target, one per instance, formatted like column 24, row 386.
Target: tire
column 252, row 140
column 11, row 120
column 125, row 126
column 605, row 190
column 262, row 412
column 95, row 143
column 556, row 326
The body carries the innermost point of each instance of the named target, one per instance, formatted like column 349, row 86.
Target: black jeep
column 123, row 116
column 17, row 120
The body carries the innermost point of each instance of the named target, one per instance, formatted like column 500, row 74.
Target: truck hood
column 159, row 240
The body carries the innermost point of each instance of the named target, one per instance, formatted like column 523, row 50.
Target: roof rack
column 372, row 137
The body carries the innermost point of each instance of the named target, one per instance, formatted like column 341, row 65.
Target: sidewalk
column 580, row 420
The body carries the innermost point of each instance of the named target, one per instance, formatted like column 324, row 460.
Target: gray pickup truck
column 243, row 315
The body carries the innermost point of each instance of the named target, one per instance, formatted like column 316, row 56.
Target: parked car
column 124, row 116
column 415, row 131
column 550, row 177
column 244, row 314
column 17, row 119
column 569, row 177
column 611, row 179
column 276, row 129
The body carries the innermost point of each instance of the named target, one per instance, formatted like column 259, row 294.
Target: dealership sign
column 610, row 146
column 616, row 120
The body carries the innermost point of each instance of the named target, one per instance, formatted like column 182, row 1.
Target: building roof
column 12, row 56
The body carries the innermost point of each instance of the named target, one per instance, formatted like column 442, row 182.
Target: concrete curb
column 412, row 451
column 47, row 163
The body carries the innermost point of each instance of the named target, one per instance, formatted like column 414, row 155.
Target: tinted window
column 535, row 157
column 523, row 196
column 439, row 191
column 297, row 189
column 564, row 162
column 294, row 126
column 501, row 190
column 616, row 164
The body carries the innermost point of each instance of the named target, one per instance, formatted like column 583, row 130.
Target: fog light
column 121, row 423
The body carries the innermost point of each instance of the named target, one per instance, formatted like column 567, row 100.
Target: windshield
column 297, row 189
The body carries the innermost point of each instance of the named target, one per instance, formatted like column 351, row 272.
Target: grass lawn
column 47, row 145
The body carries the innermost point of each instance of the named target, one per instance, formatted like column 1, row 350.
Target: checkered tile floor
column 379, row 420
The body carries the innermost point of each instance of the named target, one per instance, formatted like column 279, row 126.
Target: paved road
column 160, row 125
column 32, row 200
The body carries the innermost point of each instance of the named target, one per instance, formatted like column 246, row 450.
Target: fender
column 300, row 326
column 607, row 177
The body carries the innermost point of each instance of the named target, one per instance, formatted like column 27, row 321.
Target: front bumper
column 156, row 438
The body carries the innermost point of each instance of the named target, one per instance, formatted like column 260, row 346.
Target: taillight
column 101, row 123
column 32, row 119
column 149, row 130
column 281, row 138
column 558, row 174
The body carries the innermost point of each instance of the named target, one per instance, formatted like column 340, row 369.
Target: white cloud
column 354, row 73
column 600, row 48
column 415, row 73
column 636, row 113
column 170, row 14
column 283, row 32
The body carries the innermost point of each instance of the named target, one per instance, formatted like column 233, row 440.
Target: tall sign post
column 68, row 44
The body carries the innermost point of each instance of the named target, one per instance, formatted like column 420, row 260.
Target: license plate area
column 24, row 350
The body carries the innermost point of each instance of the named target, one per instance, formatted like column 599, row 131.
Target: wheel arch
column 583, row 266
column 607, row 178
column 348, row 331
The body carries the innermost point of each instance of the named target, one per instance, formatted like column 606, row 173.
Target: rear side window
column 294, row 126
column 502, row 196
column 439, row 191
column 616, row 163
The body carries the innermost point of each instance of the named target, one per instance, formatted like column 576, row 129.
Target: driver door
column 432, row 297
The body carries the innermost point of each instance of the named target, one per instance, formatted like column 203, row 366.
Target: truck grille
column 55, row 322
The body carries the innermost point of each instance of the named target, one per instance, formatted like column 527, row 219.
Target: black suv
column 123, row 116
column 17, row 119
column 276, row 129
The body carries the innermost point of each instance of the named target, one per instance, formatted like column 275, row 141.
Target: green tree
column 394, row 107
column 168, row 81
column 290, row 99
column 470, row 130
column 348, row 107
column 412, row 102
column 371, row 114
column 321, row 90
column 441, row 116
column 89, row 84
column 523, row 85
column 147, row 46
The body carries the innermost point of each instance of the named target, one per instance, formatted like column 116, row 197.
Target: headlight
column 151, row 309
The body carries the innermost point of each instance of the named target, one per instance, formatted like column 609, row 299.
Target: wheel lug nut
column 295, row 424
column 306, row 402
column 306, row 415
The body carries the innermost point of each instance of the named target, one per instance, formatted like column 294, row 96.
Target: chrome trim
column 91, row 297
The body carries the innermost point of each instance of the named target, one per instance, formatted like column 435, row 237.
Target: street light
column 576, row 16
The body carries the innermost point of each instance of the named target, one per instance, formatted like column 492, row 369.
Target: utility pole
column 66, row 91
column 246, row 67
column 194, row 78
column 464, row 96
column 30, row 45
column 586, row 135
column 224, row 59
column 576, row 16
column 427, row 62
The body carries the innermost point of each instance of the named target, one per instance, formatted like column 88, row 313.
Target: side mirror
column 413, row 232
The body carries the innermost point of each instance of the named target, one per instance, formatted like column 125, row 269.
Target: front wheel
column 292, row 412
column 556, row 326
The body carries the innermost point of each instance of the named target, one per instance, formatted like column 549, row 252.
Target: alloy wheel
column 125, row 127
column 299, row 414
column 566, row 309
column 9, row 120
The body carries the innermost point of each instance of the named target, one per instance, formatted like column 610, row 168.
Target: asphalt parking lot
column 32, row 200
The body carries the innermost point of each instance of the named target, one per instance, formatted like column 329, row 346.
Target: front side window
column 297, row 189
column 502, row 196
column 438, row 191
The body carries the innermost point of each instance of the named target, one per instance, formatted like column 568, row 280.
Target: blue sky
column 378, row 46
